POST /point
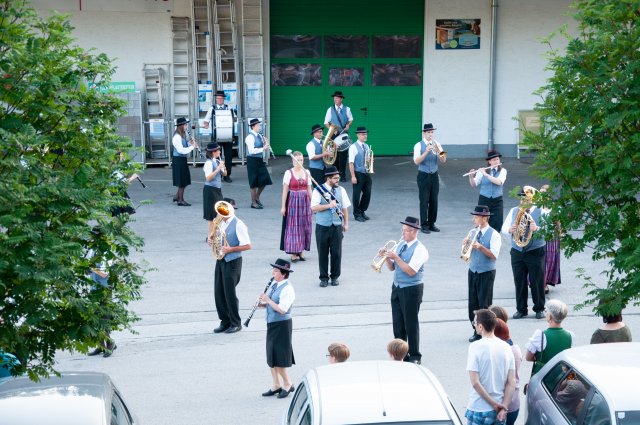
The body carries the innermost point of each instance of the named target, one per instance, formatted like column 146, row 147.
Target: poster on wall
column 205, row 97
column 254, row 96
column 457, row 34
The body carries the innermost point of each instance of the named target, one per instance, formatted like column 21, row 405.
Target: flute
column 257, row 304
column 483, row 168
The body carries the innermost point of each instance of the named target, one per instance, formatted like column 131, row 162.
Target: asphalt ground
column 174, row 370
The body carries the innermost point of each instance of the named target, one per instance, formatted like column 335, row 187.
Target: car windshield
column 628, row 418
column 412, row 423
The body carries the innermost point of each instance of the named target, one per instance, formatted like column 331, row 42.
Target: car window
column 597, row 412
column 299, row 399
column 628, row 417
column 119, row 413
column 306, row 417
column 554, row 376
column 570, row 394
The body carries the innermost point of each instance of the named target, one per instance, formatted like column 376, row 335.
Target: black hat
column 213, row 146
column 361, row 130
column 481, row 210
column 528, row 191
column 337, row 94
column 254, row 121
column 220, row 93
column 331, row 171
column 493, row 154
column 283, row 265
column 315, row 128
column 181, row 120
column 231, row 201
column 428, row 127
column 411, row 222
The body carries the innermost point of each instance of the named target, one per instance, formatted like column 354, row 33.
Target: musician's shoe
column 271, row 392
column 519, row 315
column 360, row 218
column 335, row 282
column 366, row 217
column 184, row 204
column 324, row 283
column 109, row 350
column 97, row 351
column 227, row 179
column 433, row 228
column 256, row 207
column 221, row 328
column 175, row 199
column 425, row 230
column 259, row 203
column 233, row 329
column 539, row 315
column 474, row 337
column 284, row 393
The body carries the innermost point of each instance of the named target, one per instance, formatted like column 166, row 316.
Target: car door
column 299, row 412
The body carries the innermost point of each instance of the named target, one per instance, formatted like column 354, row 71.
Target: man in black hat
column 330, row 202
column 225, row 143
column 527, row 262
column 179, row 166
column 407, row 262
column 257, row 171
column 485, row 248
column 491, row 180
column 360, row 177
column 426, row 154
column 315, row 154
column 339, row 115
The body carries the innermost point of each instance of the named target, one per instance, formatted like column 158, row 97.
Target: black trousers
column 495, row 208
column 227, row 276
column 342, row 160
column 227, row 152
column 428, row 188
column 528, row 264
column 361, row 193
column 405, row 306
column 329, row 242
column 480, row 291
column 317, row 174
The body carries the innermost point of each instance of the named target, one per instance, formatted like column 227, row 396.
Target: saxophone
column 219, row 238
column 465, row 252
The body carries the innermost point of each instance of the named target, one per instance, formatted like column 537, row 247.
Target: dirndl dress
column 552, row 263
column 297, row 223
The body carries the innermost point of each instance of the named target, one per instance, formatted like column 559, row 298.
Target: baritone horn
column 523, row 220
column 381, row 256
column 217, row 237
column 328, row 145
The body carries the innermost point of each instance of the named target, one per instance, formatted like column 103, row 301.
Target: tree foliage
column 589, row 146
column 58, row 154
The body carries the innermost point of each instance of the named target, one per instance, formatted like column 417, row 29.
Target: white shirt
column 496, row 241
column 241, row 230
column 492, row 359
column 502, row 176
column 316, row 197
column 208, row 166
column 538, row 341
column 287, row 296
column 177, row 145
column 311, row 148
column 508, row 222
column 420, row 255
column 217, row 108
column 418, row 146
column 353, row 150
column 288, row 175
column 250, row 142
column 327, row 117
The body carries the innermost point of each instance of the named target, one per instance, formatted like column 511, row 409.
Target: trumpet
column 381, row 256
column 483, row 168
column 438, row 150
column 256, row 305
column 467, row 247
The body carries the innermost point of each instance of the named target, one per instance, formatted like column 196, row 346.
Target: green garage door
column 369, row 50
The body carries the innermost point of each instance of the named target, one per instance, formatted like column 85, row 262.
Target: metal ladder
column 203, row 62
column 182, row 76
column 156, row 117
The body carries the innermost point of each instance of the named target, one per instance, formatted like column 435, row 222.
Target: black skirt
column 279, row 348
column 257, row 172
column 210, row 195
column 180, row 171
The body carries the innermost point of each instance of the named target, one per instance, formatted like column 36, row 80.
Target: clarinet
column 255, row 306
column 195, row 143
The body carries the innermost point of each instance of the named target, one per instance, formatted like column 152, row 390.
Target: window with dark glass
column 296, row 46
column 296, row 74
column 346, row 46
column 346, row 76
column 300, row 398
column 395, row 74
column 397, row 46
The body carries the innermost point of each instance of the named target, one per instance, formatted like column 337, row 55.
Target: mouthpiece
column 289, row 151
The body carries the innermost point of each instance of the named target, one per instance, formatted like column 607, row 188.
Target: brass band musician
column 360, row 176
column 339, row 115
column 426, row 155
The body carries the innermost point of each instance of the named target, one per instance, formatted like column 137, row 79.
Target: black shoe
column 519, row 315
column 546, row 290
column 175, row 199
column 221, row 329
column 97, row 351
column 335, row 282
column 259, row 203
column 539, row 315
column 425, row 230
column 324, row 283
column 233, row 329
column 366, row 217
column 271, row 392
column 474, row 337
column 109, row 351
column 184, row 204
column 227, row 179
column 256, row 207
column 360, row 219
column 284, row 393
column 433, row 228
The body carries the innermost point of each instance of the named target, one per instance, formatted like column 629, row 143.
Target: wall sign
column 457, row 34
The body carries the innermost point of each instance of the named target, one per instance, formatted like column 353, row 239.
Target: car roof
column 613, row 368
column 377, row 392
column 81, row 398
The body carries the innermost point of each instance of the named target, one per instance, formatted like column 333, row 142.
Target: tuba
column 378, row 260
column 465, row 252
column 328, row 145
column 219, row 238
column 368, row 160
column 523, row 220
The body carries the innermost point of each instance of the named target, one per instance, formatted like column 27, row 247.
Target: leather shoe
column 97, row 351
column 366, row 217
column 335, row 282
column 184, row 204
column 360, row 219
column 109, row 351
column 425, row 230
column 519, row 315
column 259, row 203
column 227, row 179
column 220, row 329
column 256, row 207
column 175, row 199
column 271, row 392
column 324, row 283
column 284, row 393
column 539, row 315
column 474, row 337
column 233, row 329
column 434, row 228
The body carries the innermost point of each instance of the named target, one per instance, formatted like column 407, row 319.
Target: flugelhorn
column 368, row 160
column 438, row 150
column 467, row 247
column 381, row 256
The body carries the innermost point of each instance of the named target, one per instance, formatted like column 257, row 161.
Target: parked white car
column 370, row 392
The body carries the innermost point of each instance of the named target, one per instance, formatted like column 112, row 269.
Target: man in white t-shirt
column 491, row 368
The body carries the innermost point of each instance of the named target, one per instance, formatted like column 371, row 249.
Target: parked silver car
column 370, row 392
column 75, row 398
column 588, row 385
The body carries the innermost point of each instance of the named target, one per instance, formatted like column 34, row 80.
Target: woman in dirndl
column 552, row 257
column 296, row 210
column 257, row 145
column 179, row 166
column 278, row 299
